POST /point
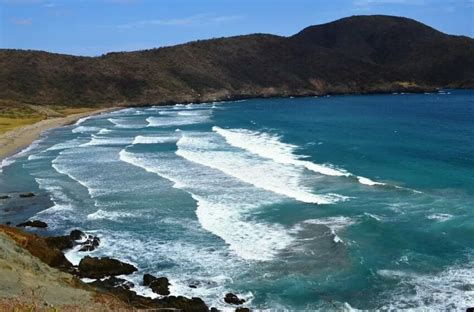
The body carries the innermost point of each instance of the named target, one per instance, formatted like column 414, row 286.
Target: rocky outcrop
column 27, row 195
column 182, row 303
column 38, row 247
column 158, row 285
column 34, row 223
column 233, row 299
column 92, row 267
column 111, row 283
column 4, row 196
column 76, row 237
column 91, row 243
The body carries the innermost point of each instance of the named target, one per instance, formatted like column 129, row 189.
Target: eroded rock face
column 233, row 299
column 158, row 285
column 34, row 223
column 101, row 267
column 38, row 247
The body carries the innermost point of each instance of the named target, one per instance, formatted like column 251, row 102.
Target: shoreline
column 15, row 140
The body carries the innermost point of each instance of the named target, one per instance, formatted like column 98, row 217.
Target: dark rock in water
column 4, row 196
column 34, row 223
column 242, row 309
column 193, row 286
column 214, row 309
column 27, row 195
column 158, row 285
column 101, row 267
column 90, row 244
column 76, row 235
column 60, row 242
column 112, row 282
column 8, row 223
column 470, row 309
column 182, row 303
column 233, row 299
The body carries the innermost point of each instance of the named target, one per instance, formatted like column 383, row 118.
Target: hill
column 359, row 54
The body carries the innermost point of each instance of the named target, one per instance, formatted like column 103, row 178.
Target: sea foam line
column 220, row 212
column 259, row 172
column 270, row 146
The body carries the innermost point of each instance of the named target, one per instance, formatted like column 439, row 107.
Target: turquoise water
column 362, row 202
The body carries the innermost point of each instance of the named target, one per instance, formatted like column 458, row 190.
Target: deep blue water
column 309, row 203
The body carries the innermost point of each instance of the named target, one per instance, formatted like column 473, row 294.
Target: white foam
column 104, row 141
column 272, row 176
column 154, row 139
column 84, row 129
column 440, row 217
column 11, row 160
column 219, row 211
column 105, row 131
column 335, row 224
column 65, row 145
column 271, row 147
column 109, row 215
column 124, row 123
column 176, row 121
column 449, row 290
column 81, row 120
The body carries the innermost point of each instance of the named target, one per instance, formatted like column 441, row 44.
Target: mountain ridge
column 358, row 54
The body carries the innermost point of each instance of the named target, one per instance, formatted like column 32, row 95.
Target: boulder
column 77, row 235
column 240, row 309
column 26, row 195
column 93, row 267
column 158, row 285
column 112, row 282
column 34, row 223
column 182, row 303
column 4, row 196
column 90, row 244
column 233, row 299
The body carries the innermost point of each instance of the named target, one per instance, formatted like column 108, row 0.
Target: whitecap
column 109, row 215
column 272, row 176
column 177, row 121
column 154, row 139
column 84, row 129
column 270, row 146
column 440, row 217
column 220, row 212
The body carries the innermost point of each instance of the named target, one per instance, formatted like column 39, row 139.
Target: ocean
column 333, row 203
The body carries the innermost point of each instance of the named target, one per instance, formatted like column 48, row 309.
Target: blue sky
column 94, row 27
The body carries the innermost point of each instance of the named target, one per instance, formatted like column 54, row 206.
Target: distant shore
column 13, row 141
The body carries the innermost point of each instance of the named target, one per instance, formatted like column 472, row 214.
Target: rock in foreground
column 34, row 223
column 159, row 285
column 92, row 267
column 233, row 299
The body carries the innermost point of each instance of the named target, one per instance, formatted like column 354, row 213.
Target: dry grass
column 14, row 115
column 32, row 301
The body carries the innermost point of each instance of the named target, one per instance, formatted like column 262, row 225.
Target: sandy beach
column 19, row 138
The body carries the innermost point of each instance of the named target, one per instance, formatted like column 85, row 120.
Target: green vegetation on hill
column 360, row 54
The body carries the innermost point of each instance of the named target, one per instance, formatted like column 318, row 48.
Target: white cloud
column 198, row 19
column 21, row 21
